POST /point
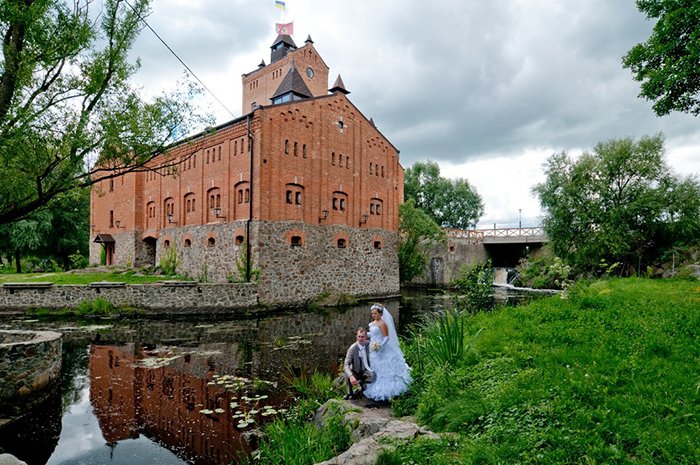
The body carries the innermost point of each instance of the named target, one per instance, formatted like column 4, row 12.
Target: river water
column 184, row 391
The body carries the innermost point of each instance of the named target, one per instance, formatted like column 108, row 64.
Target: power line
column 179, row 59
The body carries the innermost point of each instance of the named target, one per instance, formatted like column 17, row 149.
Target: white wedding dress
column 392, row 373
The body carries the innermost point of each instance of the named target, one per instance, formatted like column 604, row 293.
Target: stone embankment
column 166, row 296
column 29, row 362
column 372, row 430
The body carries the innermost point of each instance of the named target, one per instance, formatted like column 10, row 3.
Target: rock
column 9, row 459
column 370, row 429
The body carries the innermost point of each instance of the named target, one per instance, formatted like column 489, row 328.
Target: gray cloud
column 450, row 80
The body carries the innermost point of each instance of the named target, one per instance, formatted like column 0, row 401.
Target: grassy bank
column 129, row 277
column 610, row 375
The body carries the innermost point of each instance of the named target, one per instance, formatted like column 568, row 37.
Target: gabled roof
column 103, row 239
column 292, row 82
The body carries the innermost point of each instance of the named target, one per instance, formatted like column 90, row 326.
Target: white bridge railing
column 480, row 234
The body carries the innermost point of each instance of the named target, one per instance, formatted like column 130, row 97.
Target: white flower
column 375, row 346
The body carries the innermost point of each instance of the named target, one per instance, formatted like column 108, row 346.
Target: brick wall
column 261, row 84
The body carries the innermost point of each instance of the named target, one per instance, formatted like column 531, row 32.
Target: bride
column 386, row 359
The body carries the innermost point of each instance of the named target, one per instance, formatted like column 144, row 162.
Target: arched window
column 295, row 241
column 377, row 245
column 303, row 151
column 370, row 167
column 340, row 200
column 296, row 154
column 166, row 243
column 239, row 240
column 211, row 242
column 342, row 243
column 190, row 208
column 286, row 146
column 188, row 243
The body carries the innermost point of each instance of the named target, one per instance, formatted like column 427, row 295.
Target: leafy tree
column 66, row 101
column 451, row 203
column 26, row 235
column 416, row 230
column 667, row 63
column 617, row 204
column 70, row 227
column 55, row 231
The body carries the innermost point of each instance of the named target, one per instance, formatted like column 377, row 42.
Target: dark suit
column 353, row 366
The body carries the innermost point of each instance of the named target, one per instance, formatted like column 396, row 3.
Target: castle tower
column 262, row 84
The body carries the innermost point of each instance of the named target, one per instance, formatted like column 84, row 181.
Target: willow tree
column 67, row 102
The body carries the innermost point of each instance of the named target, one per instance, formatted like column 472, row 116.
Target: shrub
column 474, row 287
column 169, row 261
column 546, row 272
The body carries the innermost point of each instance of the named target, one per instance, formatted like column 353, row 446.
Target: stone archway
column 149, row 251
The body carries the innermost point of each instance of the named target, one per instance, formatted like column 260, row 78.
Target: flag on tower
column 280, row 4
column 285, row 29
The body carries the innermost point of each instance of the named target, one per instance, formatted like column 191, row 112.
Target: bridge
column 503, row 246
column 527, row 235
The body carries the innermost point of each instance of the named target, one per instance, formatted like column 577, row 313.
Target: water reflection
column 165, row 392
column 151, row 391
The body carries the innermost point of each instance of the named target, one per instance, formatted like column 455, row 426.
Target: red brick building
column 303, row 183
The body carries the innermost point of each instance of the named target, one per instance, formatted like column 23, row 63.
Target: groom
column 356, row 366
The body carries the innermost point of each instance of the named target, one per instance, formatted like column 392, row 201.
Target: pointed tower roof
column 294, row 84
column 339, row 86
column 308, row 40
column 262, row 64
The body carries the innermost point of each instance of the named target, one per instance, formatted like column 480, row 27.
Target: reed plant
column 443, row 339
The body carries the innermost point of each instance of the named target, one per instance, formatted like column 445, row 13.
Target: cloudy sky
column 488, row 89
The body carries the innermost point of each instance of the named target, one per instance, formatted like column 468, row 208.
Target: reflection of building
column 303, row 183
column 130, row 397
column 138, row 391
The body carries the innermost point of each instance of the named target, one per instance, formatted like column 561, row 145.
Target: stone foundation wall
column 365, row 265
column 203, row 259
column 292, row 275
column 173, row 297
column 29, row 361
column 445, row 261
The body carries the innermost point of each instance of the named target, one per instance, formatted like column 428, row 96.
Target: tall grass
column 443, row 339
column 294, row 439
column 611, row 375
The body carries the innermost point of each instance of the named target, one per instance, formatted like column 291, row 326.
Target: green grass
column 293, row 440
column 610, row 375
column 128, row 277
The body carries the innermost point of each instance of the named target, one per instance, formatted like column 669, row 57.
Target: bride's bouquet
column 375, row 347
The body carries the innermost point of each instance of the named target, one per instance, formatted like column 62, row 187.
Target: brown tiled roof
column 292, row 82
